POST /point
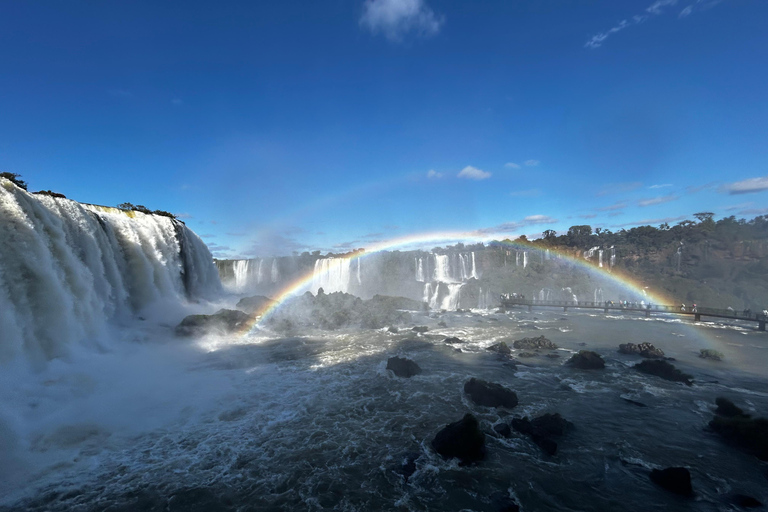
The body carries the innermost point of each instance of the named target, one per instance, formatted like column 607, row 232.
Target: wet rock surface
column 676, row 480
column 586, row 360
column 646, row 350
column 403, row 367
column 223, row 321
column 664, row 370
column 544, row 430
column 490, row 394
column 537, row 343
column 462, row 440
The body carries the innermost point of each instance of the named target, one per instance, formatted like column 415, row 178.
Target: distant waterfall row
column 67, row 268
column 248, row 273
column 589, row 254
column 446, row 268
column 336, row 274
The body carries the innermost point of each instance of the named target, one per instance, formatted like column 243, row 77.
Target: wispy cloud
column 746, row 186
column 754, row 211
column 739, row 206
column 398, row 18
column 207, row 235
column 183, row 216
column 694, row 189
column 588, row 216
column 512, row 165
column 274, row 243
column 433, row 174
column 235, row 234
column 534, row 192
column 615, row 214
column 532, row 163
column 612, row 207
column 473, row 173
column 618, row 188
column 657, row 200
column 512, row 227
column 655, row 9
column 372, row 235
column 647, row 222
column 665, row 185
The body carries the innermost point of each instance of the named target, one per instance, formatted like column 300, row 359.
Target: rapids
column 312, row 422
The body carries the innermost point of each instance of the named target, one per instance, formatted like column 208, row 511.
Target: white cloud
column 539, row 219
column 619, row 188
column 511, row 165
column 512, row 227
column 648, row 222
column 661, row 186
column 657, row 200
column 473, row 173
column 612, row 207
column 653, row 10
column 532, row 163
column 433, row 174
column 746, row 186
column 397, row 18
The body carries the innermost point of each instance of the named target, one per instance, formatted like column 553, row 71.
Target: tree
column 549, row 234
column 704, row 216
column 15, row 178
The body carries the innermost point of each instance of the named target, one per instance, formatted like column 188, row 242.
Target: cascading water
column 567, row 291
column 241, row 269
column 451, row 300
column 66, row 269
column 679, row 255
column 442, row 269
column 420, row 269
column 275, row 271
column 332, row 275
column 261, row 272
column 613, row 256
column 525, row 259
column 600, row 258
column 599, row 299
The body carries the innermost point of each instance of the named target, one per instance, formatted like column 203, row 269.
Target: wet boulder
column 744, row 501
column 403, row 367
column 676, row 480
column 223, row 321
column 501, row 349
column 710, row 354
column 503, row 429
column 420, row 328
column 646, row 350
column 490, row 394
column 543, row 430
column 453, row 340
column 664, row 370
column 586, row 360
column 739, row 429
column 462, row 440
column 393, row 330
column 537, row 343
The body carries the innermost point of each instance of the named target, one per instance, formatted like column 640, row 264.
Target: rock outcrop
column 714, row 355
column 544, row 430
column 223, row 321
column 255, row 304
column 586, row 360
column 403, row 367
column 664, row 370
column 462, row 440
column 501, row 349
column 646, row 350
column 676, row 480
column 537, row 343
column 490, row 394
column 740, row 429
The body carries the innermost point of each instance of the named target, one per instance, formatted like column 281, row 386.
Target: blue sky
column 279, row 126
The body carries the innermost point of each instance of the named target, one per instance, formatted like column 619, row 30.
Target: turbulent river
column 314, row 422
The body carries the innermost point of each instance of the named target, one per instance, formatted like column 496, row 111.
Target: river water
column 316, row 422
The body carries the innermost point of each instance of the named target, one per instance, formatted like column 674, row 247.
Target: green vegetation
column 15, row 178
column 50, row 193
column 143, row 209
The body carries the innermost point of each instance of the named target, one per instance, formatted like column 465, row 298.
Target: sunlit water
column 317, row 422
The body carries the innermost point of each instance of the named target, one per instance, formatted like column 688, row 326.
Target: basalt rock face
column 676, row 480
column 586, row 360
column 501, row 349
column 664, row 370
column 727, row 408
column 223, row 321
column 453, row 341
column 537, row 343
column 490, row 394
column 462, row 440
column 544, row 430
column 646, row 350
column 403, row 367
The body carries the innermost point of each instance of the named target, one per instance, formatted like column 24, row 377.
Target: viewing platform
column 647, row 309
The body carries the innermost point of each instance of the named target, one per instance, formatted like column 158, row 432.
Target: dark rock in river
column 255, row 304
column 503, row 503
column 677, row 480
column 543, row 429
column 223, row 321
column 586, row 360
column 453, row 340
column 664, row 370
column 750, row 434
column 408, row 465
column 727, row 408
column 490, row 394
column 420, row 328
column 643, row 349
column 527, row 354
column 714, row 355
column 535, row 343
column 503, row 429
column 501, row 348
column 463, row 440
column 403, row 367
column 393, row 330
column 442, row 324
column 744, row 501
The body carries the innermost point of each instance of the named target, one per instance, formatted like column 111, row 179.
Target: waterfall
column 568, row 291
column 679, row 255
column 275, row 273
column 484, row 299
column 260, row 272
column 66, row 269
column 599, row 296
column 613, row 256
column 332, row 275
column 451, row 301
column 464, row 272
column 359, row 277
column 420, row 270
column 600, row 258
column 525, row 259
column 241, row 269
column 442, row 268
column 474, row 267
column 517, row 258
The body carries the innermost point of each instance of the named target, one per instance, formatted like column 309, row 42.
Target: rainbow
column 302, row 283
